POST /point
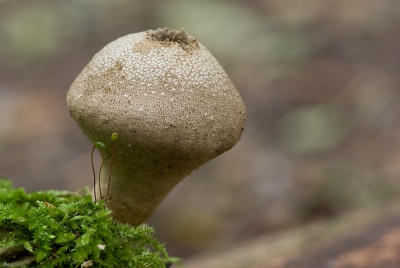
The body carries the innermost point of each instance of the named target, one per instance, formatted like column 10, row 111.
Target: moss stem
column 94, row 174
column 111, row 165
column 102, row 163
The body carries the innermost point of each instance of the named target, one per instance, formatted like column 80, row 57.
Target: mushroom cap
column 171, row 103
column 159, row 93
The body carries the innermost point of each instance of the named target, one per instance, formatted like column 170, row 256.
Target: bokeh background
column 320, row 80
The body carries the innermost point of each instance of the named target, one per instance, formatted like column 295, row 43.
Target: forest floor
column 366, row 238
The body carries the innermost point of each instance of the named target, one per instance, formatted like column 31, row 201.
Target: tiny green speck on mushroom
column 171, row 103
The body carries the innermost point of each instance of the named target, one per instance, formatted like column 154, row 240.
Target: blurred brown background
column 320, row 80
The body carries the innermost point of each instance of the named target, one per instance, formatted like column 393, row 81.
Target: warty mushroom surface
column 171, row 103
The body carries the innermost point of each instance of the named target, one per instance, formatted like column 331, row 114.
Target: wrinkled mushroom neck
column 136, row 190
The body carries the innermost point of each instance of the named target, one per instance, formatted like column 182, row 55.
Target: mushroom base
column 135, row 192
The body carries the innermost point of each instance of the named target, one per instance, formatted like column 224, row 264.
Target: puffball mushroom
column 171, row 103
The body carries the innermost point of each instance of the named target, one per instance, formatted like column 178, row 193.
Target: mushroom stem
column 135, row 191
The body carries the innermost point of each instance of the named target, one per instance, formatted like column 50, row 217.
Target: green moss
column 60, row 229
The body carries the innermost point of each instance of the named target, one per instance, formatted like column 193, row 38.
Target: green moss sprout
column 63, row 229
column 99, row 144
column 113, row 139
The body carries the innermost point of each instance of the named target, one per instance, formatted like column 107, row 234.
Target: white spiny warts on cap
column 167, row 98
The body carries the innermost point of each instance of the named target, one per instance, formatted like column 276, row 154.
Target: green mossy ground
column 60, row 229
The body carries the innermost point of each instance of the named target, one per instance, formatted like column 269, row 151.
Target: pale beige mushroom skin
column 171, row 103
